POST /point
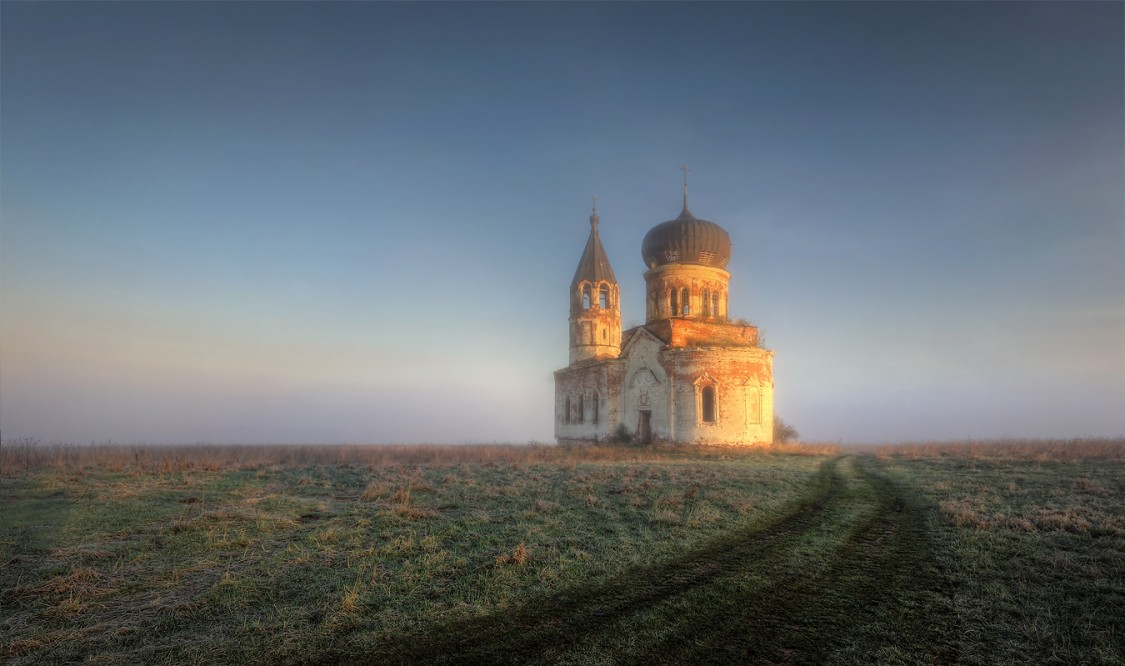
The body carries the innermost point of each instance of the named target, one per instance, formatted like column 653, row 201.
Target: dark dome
column 686, row 240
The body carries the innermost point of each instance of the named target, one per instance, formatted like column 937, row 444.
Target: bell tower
column 595, row 303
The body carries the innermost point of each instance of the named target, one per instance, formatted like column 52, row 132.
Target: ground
column 972, row 554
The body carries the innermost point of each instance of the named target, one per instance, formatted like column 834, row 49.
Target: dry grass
column 351, row 603
column 1042, row 450
column 27, row 455
column 519, row 556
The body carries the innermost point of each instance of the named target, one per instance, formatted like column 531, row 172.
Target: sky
column 357, row 222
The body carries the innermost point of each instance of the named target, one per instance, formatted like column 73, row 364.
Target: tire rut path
column 836, row 577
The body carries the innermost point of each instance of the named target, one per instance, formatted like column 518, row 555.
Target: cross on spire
column 685, row 169
column 594, row 213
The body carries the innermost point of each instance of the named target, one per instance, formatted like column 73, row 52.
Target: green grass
column 556, row 555
column 275, row 564
column 1033, row 552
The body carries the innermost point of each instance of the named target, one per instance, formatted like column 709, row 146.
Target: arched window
column 715, row 304
column 707, row 404
column 586, row 297
column 595, row 419
column 566, row 414
column 603, row 297
column 674, row 298
column 706, row 303
column 685, row 301
column 652, row 306
column 581, row 410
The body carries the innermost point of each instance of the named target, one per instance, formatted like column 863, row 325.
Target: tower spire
column 595, row 312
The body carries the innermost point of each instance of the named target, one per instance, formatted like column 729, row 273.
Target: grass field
column 972, row 553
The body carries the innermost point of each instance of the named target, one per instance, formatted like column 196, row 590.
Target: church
column 689, row 375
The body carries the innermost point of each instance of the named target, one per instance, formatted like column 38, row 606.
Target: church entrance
column 644, row 427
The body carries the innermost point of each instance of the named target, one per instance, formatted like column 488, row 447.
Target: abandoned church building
column 688, row 375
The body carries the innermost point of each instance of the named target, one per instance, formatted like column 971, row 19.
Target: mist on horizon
column 301, row 223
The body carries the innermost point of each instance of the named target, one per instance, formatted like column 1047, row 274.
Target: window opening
column 708, row 400
column 566, row 414
column 675, row 299
column 706, row 303
column 595, row 419
column 603, row 298
column 685, row 301
column 581, row 410
column 715, row 304
column 586, row 297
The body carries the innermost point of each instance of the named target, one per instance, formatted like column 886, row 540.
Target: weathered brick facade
column 686, row 376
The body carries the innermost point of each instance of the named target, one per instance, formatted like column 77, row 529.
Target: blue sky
column 356, row 222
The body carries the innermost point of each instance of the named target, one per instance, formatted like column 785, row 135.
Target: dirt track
column 845, row 577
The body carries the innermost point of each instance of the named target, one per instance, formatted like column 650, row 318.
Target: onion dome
column 686, row 240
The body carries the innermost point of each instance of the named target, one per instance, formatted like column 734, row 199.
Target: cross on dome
column 685, row 169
